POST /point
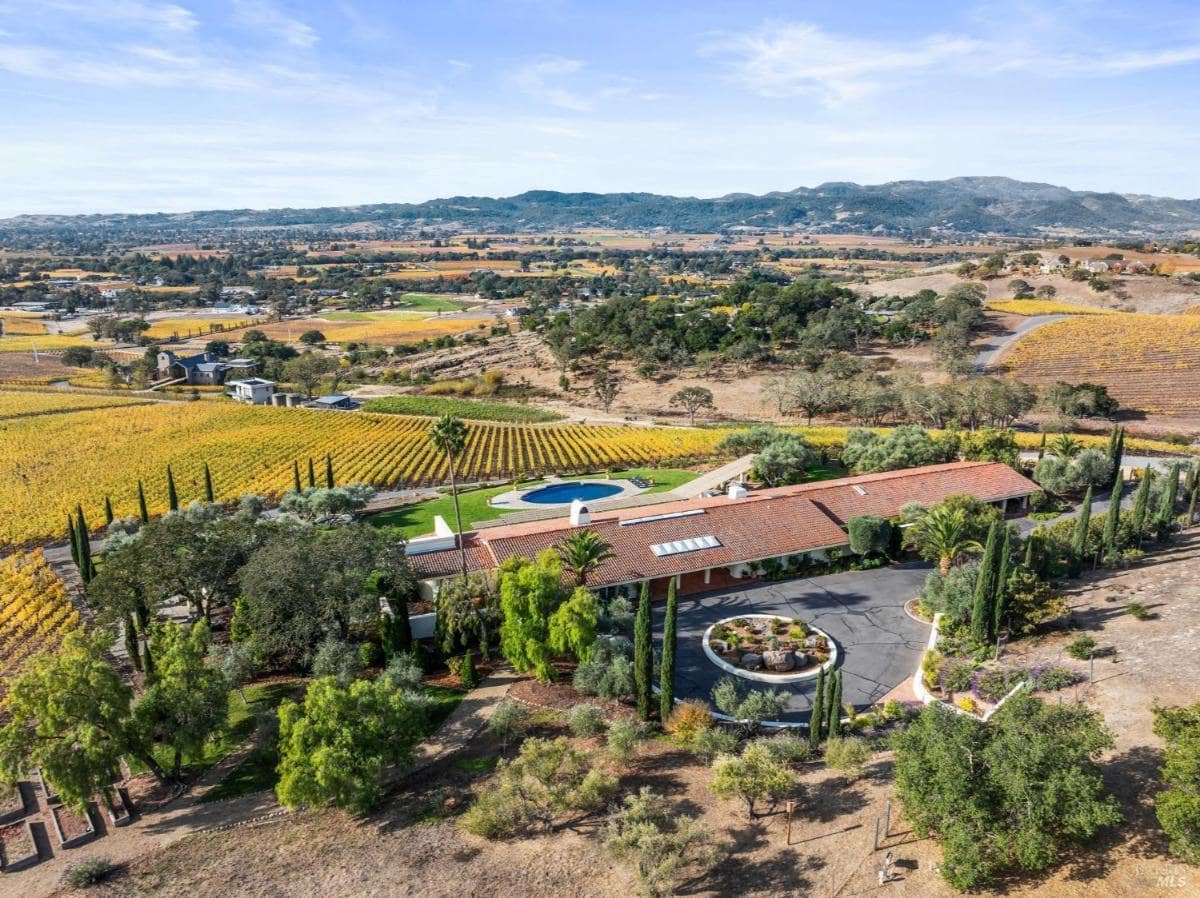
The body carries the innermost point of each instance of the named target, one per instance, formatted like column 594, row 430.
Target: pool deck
column 514, row 498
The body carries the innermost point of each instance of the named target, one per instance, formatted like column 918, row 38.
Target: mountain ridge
column 962, row 205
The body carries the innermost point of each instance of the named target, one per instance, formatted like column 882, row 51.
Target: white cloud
column 274, row 22
column 156, row 16
column 543, row 80
column 788, row 58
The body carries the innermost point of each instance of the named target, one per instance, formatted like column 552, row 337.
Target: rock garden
column 768, row 645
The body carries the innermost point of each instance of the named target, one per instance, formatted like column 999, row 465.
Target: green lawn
column 413, row 302
column 243, row 719
column 257, row 772
column 417, row 519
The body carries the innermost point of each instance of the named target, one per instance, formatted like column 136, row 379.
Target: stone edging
column 768, row 678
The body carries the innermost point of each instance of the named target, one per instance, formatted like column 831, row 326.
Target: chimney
column 737, row 490
column 580, row 516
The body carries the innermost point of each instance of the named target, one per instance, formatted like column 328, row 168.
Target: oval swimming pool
column 566, row 493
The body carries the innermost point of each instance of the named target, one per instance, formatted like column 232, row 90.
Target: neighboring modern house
column 714, row 542
column 254, row 390
column 203, row 369
column 333, row 401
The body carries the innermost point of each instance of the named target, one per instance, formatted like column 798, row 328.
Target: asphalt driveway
column 862, row 611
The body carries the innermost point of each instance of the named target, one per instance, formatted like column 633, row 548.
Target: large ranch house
column 714, row 542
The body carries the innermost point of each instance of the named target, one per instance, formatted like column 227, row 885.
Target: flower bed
column 768, row 647
column 71, row 827
column 17, row 847
column 12, row 803
column 117, row 806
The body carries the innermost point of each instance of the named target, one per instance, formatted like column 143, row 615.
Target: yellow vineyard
column 43, row 342
column 194, row 327
column 1150, row 363
column 35, row 612
column 54, row 460
column 21, row 327
column 1044, row 307
column 396, row 328
column 20, row 403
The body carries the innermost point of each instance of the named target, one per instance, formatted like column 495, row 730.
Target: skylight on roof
column 858, row 489
column 691, row 544
column 671, row 515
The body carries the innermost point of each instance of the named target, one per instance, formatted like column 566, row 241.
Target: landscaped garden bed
column 17, row 848
column 12, row 803
column 71, row 827
column 117, row 806
column 768, row 647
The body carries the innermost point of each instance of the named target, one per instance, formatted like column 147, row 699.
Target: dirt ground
column 414, row 847
column 1147, row 293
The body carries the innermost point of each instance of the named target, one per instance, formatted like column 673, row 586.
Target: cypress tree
column 985, row 588
column 1029, row 541
column 142, row 512
column 1191, row 509
column 1003, row 569
column 816, row 718
column 329, row 471
column 1042, row 447
column 1166, row 511
column 73, row 537
column 643, row 653
column 296, row 477
column 1113, row 518
column 1111, row 451
column 666, row 665
column 312, row 474
column 208, row 489
column 1079, row 540
column 835, row 705
column 172, row 493
column 85, row 547
column 1141, row 501
column 108, row 512
column 131, row 643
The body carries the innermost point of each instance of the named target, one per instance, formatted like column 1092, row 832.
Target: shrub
column 708, row 744
column 509, row 721
column 608, row 671
column 787, row 747
column 1048, row 679
column 848, row 756
column 660, row 846
column 467, row 675
column 369, row 654
column 752, row 707
column 751, row 776
column 335, row 658
column 869, row 534
column 968, row 704
column 953, row 594
column 585, row 720
column 548, row 778
column 955, row 675
column 1082, row 647
column 1137, row 611
column 622, row 742
column 993, row 684
column 89, row 872
column 403, row 672
column 687, row 719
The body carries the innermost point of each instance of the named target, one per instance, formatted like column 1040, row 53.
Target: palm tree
column 1065, row 446
column 582, row 552
column 942, row 533
column 449, row 435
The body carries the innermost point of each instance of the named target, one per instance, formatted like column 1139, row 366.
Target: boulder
column 779, row 661
column 814, row 642
column 751, row 661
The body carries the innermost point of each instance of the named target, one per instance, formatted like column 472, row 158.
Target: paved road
column 862, row 611
column 990, row 353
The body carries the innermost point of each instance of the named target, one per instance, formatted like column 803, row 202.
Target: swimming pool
column 566, row 493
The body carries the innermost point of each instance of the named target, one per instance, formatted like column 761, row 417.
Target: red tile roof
column 766, row 524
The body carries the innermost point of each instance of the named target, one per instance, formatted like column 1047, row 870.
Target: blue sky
column 139, row 105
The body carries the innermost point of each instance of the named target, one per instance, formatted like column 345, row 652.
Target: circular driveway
column 863, row 612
